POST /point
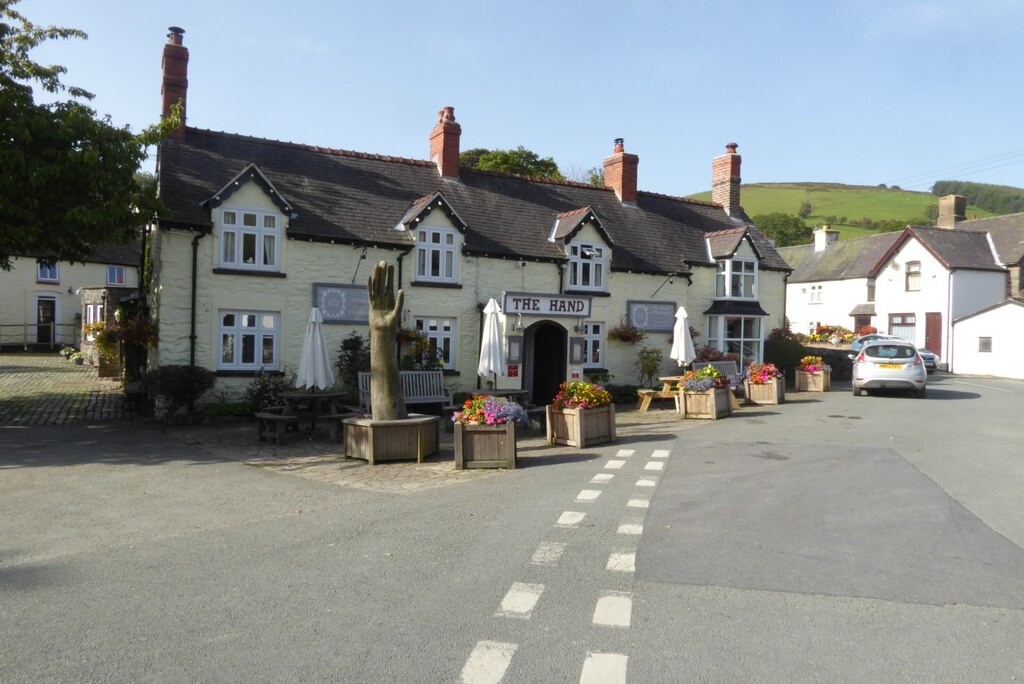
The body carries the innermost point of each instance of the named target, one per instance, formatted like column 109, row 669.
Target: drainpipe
column 401, row 255
column 561, row 280
column 192, row 324
column 948, row 322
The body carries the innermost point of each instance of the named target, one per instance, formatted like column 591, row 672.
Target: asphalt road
column 833, row 538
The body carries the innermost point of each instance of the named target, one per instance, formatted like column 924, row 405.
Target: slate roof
column 358, row 198
column 955, row 249
column 843, row 260
column 1007, row 235
column 129, row 254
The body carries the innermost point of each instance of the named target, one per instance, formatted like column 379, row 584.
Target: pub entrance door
column 544, row 360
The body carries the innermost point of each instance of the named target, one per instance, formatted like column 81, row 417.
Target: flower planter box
column 485, row 446
column 767, row 394
column 813, row 382
column 710, row 405
column 581, row 427
column 417, row 437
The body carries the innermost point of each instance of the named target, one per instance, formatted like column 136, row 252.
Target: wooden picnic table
column 317, row 403
column 668, row 391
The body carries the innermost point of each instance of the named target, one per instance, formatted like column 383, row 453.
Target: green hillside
column 850, row 202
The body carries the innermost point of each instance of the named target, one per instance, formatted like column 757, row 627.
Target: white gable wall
column 891, row 296
column 838, row 297
column 1003, row 325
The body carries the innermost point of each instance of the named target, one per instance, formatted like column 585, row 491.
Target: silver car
column 889, row 364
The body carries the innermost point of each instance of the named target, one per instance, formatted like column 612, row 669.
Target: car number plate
column 891, row 365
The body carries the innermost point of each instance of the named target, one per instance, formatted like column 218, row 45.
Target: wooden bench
column 274, row 423
column 729, row 370
column 419, row 387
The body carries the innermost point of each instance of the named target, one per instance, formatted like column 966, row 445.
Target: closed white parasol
column 682, row 344
column 314, row 364
column 492, row 353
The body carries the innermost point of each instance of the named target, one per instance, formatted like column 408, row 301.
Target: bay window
column 739, row 336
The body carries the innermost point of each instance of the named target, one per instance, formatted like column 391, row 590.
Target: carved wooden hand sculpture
column 386, row 397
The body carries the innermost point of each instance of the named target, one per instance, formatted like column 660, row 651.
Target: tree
column 68, row 176
column 805, row 210
column 785, row 229
column 519, row 161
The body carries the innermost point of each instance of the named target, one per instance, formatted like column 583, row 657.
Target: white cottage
column 988, row 341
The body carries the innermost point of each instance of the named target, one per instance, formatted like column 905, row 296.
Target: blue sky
column 849, row 91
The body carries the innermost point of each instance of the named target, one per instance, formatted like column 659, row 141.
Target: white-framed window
column 871, row 290
column 250, row 239
column 587, row 267
column 985, row 345
column 115, row 275
column 815, row 291
column 812, row 327
column 248, row 340
column 437, row 250
column 736, row 279
column 93, row 314
column 738, row 335
column 593, row 341
column 903, row 325
column 440, row 334
column 47, row 273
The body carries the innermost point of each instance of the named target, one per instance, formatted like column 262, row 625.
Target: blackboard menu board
column 342, row 303
column 652, row 316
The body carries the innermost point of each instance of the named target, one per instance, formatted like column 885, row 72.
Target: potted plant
column 580, row 415
column 66, row 352
column 77, row 357
column 485, row 432
column 763, row 384
column 625, row 332
column 705, row 394
column 813, row 375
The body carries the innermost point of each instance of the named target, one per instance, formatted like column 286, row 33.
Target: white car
column 889, row 364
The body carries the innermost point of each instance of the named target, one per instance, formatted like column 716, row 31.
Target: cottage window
column 115, row 275
column 440, row 334
column 593, row 340
column 736, row 279
column 248, row 340
column 47, row 273
column 816, row 294
column 93, row 314
column 903, row 325
column 436, row 251
column 871, row 290
column 739, row 336
column 587, row 266
column 913, row 276
column 250, row 239
column 985, row 344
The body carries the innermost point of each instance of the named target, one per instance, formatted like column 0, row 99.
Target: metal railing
column 37, row 335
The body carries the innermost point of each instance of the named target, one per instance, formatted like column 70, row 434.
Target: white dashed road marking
column 655, row 465
column 604, row 668
column 630, row 528
column 643, row 482
column 614, row 465
column 614, row 609
column 570, row 519
column 520, row 600
column 660, row 453
column 624, row 453
column 622, row 562
column 588, row 494
column 488, row 662
column 639, row 503
column 548, row 553
column 602, row 478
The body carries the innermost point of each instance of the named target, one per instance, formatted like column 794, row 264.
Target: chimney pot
column 444, row 143
column 731, row 148
column 174, row 88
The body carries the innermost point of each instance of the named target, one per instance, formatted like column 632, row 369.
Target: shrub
column 353, row 357
column 648, row 361
column 709, row 353
column 180, row 386
column 623, row 394
column 866, row 330
column 784, row 352
column 836, row 359
column 265, row 390
column 598, row 376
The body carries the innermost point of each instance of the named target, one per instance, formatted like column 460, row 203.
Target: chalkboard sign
column 652, row 316
column 342, row 303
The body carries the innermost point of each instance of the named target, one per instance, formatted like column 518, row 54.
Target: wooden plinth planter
column 769, row 393
column 373, row 441
column 813, row 382
column 485, row 446
column 710, row 405
column 581, row 428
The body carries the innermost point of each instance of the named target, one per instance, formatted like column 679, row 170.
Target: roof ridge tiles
column 684, row 200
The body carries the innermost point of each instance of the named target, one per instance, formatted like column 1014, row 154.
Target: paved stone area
column 47, row 389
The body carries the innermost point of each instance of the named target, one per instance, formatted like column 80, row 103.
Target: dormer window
column 436, row 252
column 250, row 239
column 736, row 279
column 587, row 266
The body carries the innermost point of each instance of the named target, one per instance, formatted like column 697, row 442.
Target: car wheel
column 920, row 393
column 857, row 391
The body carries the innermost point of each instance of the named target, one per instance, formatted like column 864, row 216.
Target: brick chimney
column 952, row 209
column 444, row 143
column 725, row 179
column 175, row 84
column 620, row 173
